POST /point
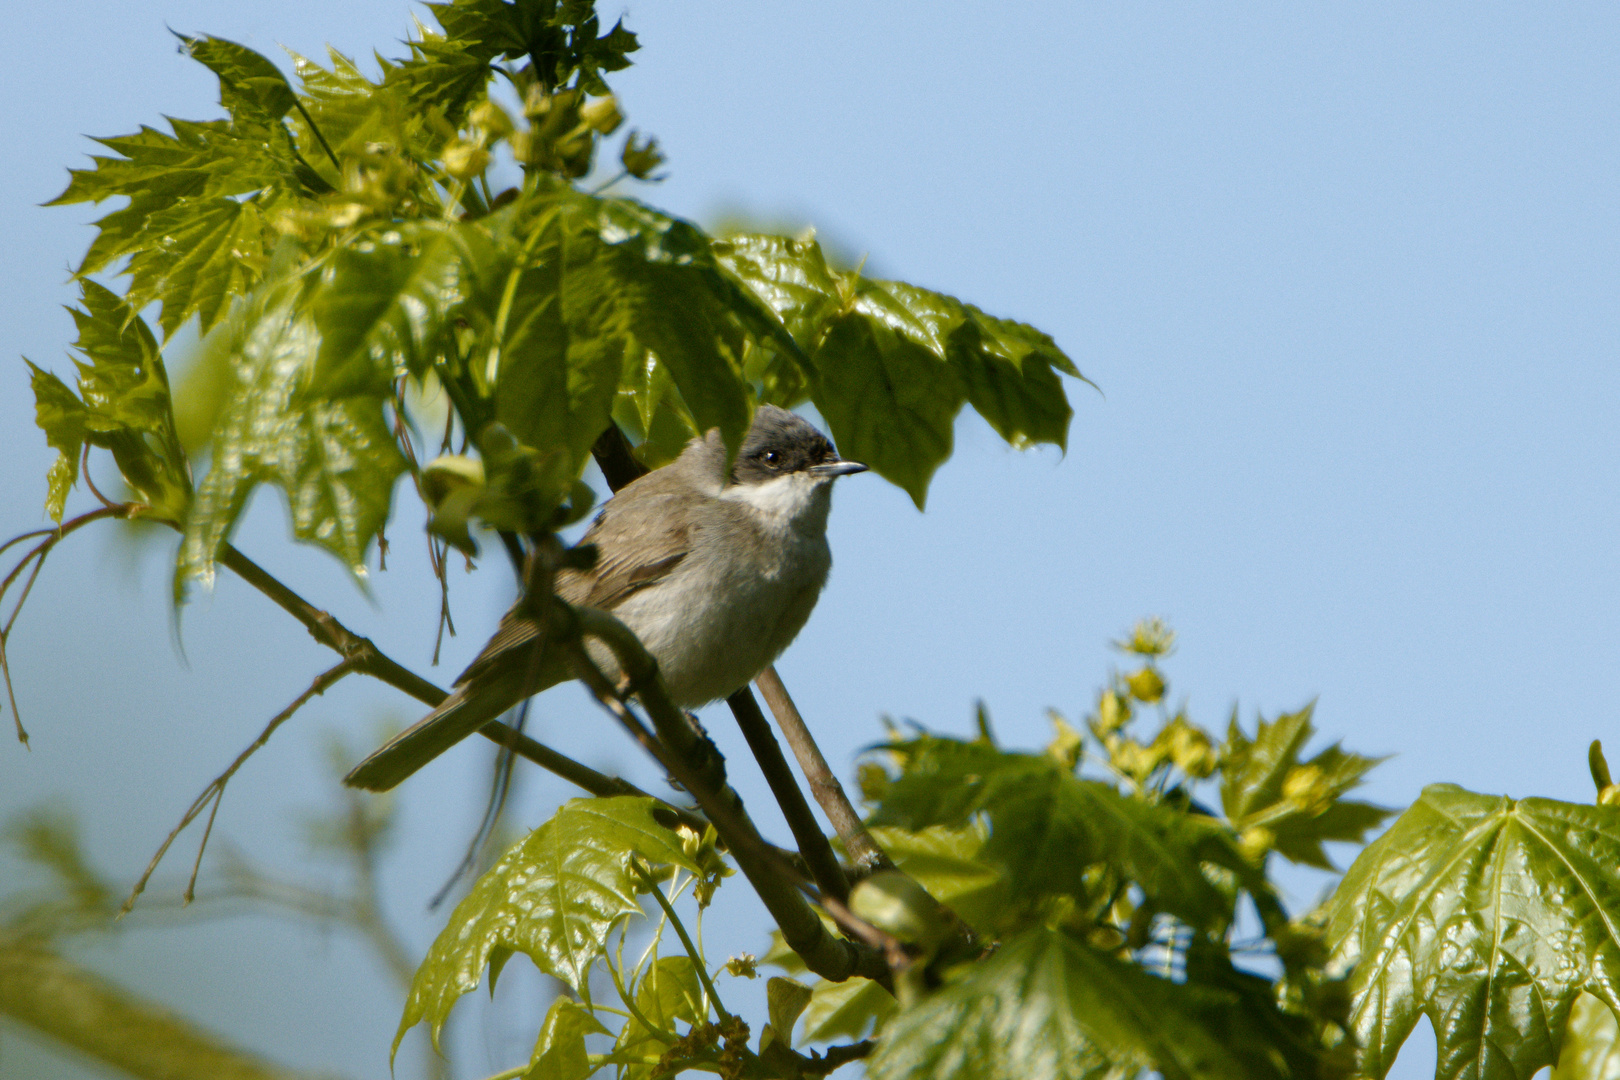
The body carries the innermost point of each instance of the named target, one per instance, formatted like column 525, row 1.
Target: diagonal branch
column 698, row 767
column 863, row 851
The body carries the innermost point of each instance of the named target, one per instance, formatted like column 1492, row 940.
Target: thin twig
column 48, row 539
column 215, row 791
column 813, row 845
column 371, row 661
column 863, row 851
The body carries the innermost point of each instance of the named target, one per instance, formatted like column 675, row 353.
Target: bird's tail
column 466, row 710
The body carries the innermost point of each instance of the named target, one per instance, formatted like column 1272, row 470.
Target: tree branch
column 694, row 763
column 369, row 660
column 863, row 851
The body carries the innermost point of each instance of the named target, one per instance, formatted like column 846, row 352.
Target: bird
column 714, row 570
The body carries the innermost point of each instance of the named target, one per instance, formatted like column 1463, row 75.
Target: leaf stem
column 686, row 941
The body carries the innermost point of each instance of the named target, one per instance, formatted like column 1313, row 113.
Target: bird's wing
column 631, row 556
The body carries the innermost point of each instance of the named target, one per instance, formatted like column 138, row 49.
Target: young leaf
column 1265, row 784
column 61, row 416
column 559, row 1052
column 247, row 80
column 670, row 991
column 335, row 460
column 1489, row 914
column 123, row 406
column 850, row 1009
column 785, row 1001
column 1048, row 1005
column 1048, row 827
column 555, row 896
column 385, row 302
column 192, row 240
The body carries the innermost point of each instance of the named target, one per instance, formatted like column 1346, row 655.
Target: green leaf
column 559, row 1052
column 947, row 863
column 191, row 239
column 1264, row 784
column 1048, row 1005
column 1008, row 370
column 1489, row 914
column 889, row 401
column 670, row 991
column 336, row 461
column 785, row 1001
column 1591, row 1048
column 61, row 415
column 194, row 257
column 850, row 1009
column 893, row 363
column 554, row 897
column 247, row 80
column 385, row 302
column 123, row 406
column 1048, row 827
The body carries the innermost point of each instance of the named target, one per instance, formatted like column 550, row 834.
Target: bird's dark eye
column 770, row 457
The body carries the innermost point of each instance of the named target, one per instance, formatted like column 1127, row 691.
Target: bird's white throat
column 797, row 500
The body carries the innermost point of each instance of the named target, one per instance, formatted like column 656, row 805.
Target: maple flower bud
column 465, row 160
column 602, row 114
column 640, row 158
column 1146, row 685
column 491, row 119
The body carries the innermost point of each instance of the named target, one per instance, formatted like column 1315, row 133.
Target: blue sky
column 1345, row 275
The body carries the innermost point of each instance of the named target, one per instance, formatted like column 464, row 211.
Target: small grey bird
column 716, row 575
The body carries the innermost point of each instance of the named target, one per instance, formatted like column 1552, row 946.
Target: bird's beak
column 837, row 467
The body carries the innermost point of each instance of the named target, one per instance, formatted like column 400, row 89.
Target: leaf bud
column 1255, row 841
column 1149, row 637
column 640, row 157
column 1113, row 711
column 464, row 160
column 491, row 119
column 602, row 114
column 1307, row 787
column 1067, row 746
column 1146, row 685
column 744, row 966
column 1190, row 749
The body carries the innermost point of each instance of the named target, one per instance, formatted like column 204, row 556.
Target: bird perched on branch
column 716, row 573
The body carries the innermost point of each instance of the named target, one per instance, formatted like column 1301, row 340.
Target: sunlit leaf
column 1265, row 784
column 336, row 460
column 670, row 991
column 1591, row 1049
column 1048, row 827
column 559, row 1052
column 553, row 897
column 1488, row 914
column 1048, row 1005
column 246, row 79
column 893, row 363
column 384, row 304
column 60, row 415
